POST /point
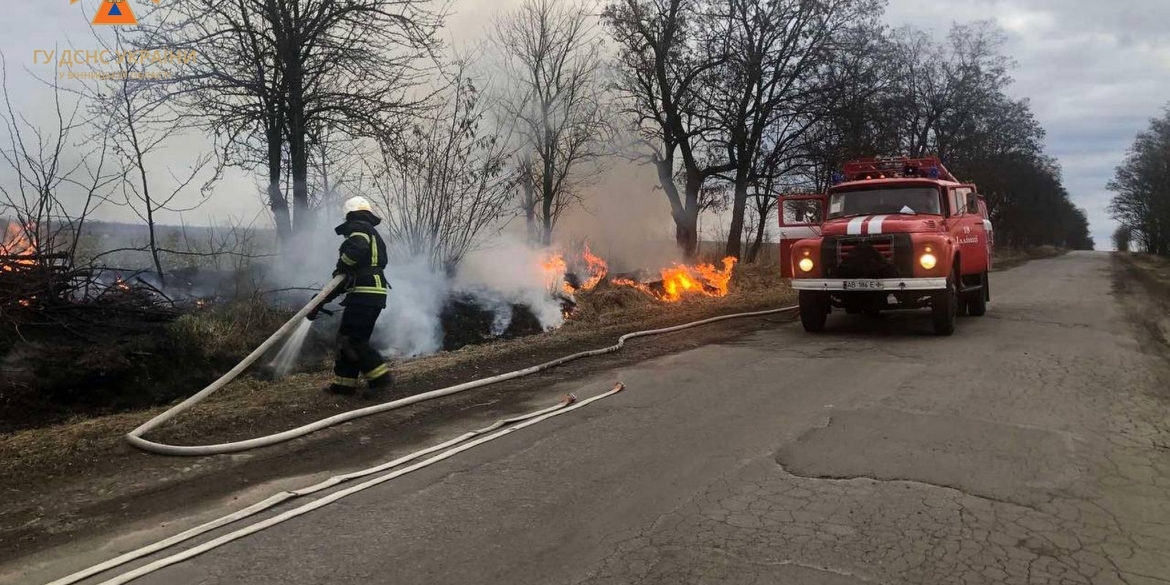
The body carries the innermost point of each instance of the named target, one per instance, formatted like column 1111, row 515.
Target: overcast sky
column 1096, row 71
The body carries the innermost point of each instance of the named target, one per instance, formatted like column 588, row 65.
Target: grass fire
column 486, row 187
column 681, row 280
column 672, row 285
column 17, row 249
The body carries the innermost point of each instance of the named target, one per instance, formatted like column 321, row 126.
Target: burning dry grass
column 17, row 248
column 253, row 407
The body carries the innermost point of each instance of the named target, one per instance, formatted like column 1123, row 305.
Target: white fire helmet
column 357, row 204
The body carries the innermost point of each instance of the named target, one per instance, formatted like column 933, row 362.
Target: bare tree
column 948, row 97
column 773, row 83
column 552, row 54
column 667, row 51
column 447, row 184
column 57, row 174
column 281, row 72
column 140, row 122
column 858, row 118
column 1142, row 189
column 1122, row 237
column 231, row 86
column 763, row 199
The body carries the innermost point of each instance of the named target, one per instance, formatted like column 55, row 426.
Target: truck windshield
column 906, row 200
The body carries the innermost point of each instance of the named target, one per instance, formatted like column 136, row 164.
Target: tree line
column 767, row 96
column 731, row 102
column 1141, row 204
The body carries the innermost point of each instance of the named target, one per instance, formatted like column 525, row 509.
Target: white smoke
column 503, row 272
column 410, row 324
column 512, row 270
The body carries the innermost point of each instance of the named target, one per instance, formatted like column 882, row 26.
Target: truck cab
column 890, row 234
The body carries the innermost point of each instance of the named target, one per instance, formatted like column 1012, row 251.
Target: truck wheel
column 814, row 310
column 977, row 305
column 944, row 307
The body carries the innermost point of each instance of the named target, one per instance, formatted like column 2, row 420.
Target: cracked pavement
column 1032, row 447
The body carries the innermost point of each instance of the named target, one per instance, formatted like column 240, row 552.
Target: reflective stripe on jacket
column 362, row 258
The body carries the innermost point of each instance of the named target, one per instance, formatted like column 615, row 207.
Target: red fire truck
column 891, row 233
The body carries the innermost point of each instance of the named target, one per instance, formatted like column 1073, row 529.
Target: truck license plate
column 863, row 285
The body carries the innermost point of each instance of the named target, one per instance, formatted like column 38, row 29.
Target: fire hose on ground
column 136, row 439
column 455, row 446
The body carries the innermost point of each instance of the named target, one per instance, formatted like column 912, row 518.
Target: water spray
column 286, row 359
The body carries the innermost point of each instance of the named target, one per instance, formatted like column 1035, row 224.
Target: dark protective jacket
column 362, row 259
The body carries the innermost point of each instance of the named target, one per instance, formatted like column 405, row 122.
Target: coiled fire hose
column 135, row 436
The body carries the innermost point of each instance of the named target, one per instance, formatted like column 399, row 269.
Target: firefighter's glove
column 312, row 316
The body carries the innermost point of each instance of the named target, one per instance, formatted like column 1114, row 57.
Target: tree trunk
column 150, row 223
column 687, row 234
column 145, row 190
column 684, row 208
column 299, row 160
column 735, row 234
column 547, row 227
column 761, row 227
column 298, row 148
column 277, row 202
column 548, row 194
column 546, row 216
column 529, row 195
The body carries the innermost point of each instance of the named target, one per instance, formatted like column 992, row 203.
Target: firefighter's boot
column 341, row 388
column 378, row 387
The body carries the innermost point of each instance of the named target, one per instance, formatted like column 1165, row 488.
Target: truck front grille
column 884, row 245
column 884, row 256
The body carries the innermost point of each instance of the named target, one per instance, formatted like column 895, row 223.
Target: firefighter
column 363, row 262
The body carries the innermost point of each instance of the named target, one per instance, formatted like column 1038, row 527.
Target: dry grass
column 230, row 330
column 1154, row 271
column 251, row 407
column 1156, row 266
column 1004, row 258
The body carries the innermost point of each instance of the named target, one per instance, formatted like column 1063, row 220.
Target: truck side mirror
column 972, row 203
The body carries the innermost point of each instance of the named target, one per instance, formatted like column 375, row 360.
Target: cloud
column 1095, row 72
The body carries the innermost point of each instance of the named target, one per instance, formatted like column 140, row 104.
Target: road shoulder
column 128, row 492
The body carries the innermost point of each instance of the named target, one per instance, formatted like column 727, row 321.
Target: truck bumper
column 870, row 285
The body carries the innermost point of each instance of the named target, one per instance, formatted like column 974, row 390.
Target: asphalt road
column 1031, row 447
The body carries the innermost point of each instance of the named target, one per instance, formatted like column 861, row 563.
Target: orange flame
column 681, row 280
column 16, row 243
column 717, row 279
column 597, row 269
column 554, row 273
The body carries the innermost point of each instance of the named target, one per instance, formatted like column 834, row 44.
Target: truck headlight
column 806, row 264
column 928, row 261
